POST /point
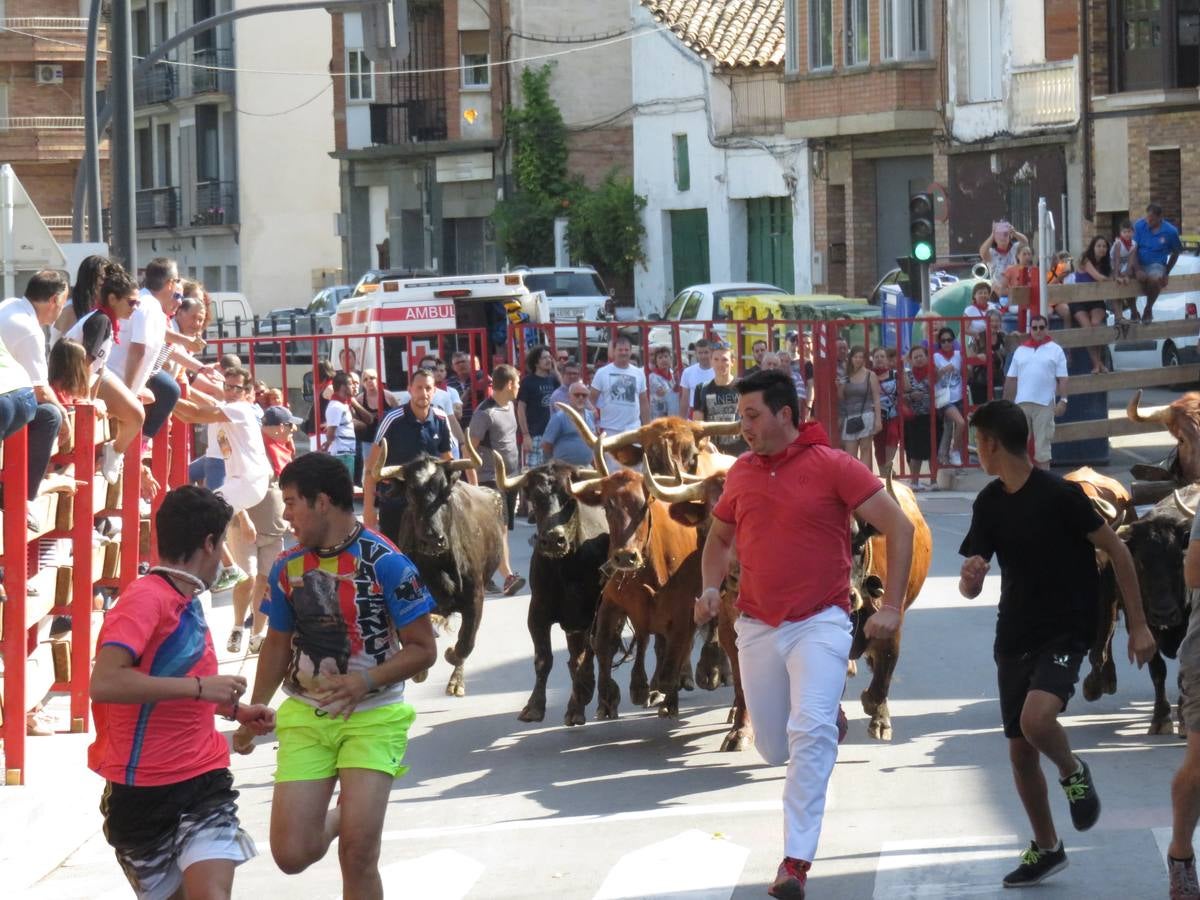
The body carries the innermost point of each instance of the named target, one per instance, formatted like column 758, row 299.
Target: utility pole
column 124, row 198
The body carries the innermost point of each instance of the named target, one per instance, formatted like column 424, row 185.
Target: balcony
column 41, row 138
column 412, row 121
column 218, row 79
column 1044, row 96
column 158, row 86
column 46, row 38
column 216, row 203
column 158, row 208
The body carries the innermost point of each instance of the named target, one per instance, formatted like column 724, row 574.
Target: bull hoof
column 737, row 740
column 457, row 685
column 1091, row 688
column 604, row 711
column 574, row 717
column 639, row 695
column 452, row 657
column 852, row 668
column 1159, row 726
column 531, row 713
column 668, row 710
column 687, row 683
column 880, row 729
column 1108, row 679
column 420, row 676
column 709, row 679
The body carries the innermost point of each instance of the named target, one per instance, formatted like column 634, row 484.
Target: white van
column 412, row 317
column 1172, row 351
column 573, row 294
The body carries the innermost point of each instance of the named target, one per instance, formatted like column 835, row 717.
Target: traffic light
column 920, row 227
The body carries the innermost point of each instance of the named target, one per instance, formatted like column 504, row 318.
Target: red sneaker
column 842, row 723
column 790, row 880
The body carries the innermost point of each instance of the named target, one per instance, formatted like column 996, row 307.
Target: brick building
column 1144, row 139
column 41, row 101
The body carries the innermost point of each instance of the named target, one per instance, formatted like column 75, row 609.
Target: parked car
column 573, row 294
column 1172, row 351
column 701, row 303
column 889, row 285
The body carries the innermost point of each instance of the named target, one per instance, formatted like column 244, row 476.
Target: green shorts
column 314, row 746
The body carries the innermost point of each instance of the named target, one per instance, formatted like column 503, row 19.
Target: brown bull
column 1112, row 501
column 1182, row 419
column 655, row 576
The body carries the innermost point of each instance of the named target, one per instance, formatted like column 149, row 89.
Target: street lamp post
column 124, row 220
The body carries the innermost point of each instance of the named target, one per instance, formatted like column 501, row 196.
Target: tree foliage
column 604, row 225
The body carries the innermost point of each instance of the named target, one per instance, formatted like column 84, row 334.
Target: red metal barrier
column 15, row 480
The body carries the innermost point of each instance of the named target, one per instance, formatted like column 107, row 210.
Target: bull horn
column 502, row 480
column 1183, row 507
column 578, row 487
column 624, row 439
column 891, row 488
column 584, row 474
column 473, row 460
column 1160, row 417
column 684, row 493
column 1124, row 532
column 1106, row 509
column 382, row 472
column 589, row 436
column 712, row 429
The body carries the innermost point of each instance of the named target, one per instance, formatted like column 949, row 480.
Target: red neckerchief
column 945, row 356
column 116, row 325
column 664, row 374
column 1128, row 243
column 1030, row 342
column 920, row 373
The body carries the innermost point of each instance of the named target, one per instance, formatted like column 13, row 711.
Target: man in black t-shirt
column 717, row 401
column 533, row 402
column 1044, row 532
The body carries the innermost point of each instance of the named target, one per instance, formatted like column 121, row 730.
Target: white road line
column 668, row 812
column 694, row 864
column 935, row 868
column 1162, row 837
column 441, row 875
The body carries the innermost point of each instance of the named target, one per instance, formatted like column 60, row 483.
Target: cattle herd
column 617, row 551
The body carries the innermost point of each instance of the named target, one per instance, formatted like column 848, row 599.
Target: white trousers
column 793, row 678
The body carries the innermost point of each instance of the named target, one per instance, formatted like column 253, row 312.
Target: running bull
column 453, row 532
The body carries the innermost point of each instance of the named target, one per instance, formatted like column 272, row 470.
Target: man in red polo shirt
column 787, row 507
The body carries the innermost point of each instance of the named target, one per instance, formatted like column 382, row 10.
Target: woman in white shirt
column 116, row 301
column 948, row 395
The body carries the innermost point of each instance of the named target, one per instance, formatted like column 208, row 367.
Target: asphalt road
column 643, row 807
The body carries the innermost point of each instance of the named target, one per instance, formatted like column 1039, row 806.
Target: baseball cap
column 792, row 335
column 279, row 415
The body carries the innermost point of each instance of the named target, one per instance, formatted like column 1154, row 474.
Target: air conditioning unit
column 48, row 73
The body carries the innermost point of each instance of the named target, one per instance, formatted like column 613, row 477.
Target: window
column 820, row 34
column 144, row 155
column 163, row 155
column 791, row 32
column 858, row 45
column 683, row 173
column 360, row 77
column 1157, row 44
column 983, row 52
column 904, row 29
column 475, row 73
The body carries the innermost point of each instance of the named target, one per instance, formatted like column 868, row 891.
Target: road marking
column 441, row 875
column 668, row 812
column 695, row 864
column 935, row 868
column 1162, row 837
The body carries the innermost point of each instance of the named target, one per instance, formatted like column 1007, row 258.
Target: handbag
column 941, row 397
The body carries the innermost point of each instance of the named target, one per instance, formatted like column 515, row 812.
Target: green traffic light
column 922, row 252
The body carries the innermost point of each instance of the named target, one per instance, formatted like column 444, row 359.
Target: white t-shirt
column 23, row 336
column 1037, row 370
column 241, row 444
column 1121, row 258
column 978, row 317
column 951, row 381
column 337, row 414
column 101, row 353
column 693, row 377
column 147, row 326
column 620, row 397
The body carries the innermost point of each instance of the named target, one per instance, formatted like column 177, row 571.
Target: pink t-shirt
column 792, row 513
column 169, row 741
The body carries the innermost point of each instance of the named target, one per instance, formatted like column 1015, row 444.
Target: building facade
column 727, row 192
column 211, row 191
column 41, row 101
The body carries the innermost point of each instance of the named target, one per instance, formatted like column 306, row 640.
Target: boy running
column 1044, row 532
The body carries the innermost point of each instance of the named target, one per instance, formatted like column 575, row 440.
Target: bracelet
column 199, row 689
column 367, row 679
column 232, row 717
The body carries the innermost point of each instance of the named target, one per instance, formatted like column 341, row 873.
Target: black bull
column 453, row 532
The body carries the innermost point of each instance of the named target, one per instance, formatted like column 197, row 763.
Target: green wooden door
column 689, row 247
column 769, row 242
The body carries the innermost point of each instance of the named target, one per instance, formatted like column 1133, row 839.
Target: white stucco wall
column 287, row 181
column 669, row 93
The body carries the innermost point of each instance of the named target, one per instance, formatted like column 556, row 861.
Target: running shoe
column 491, row 587
column 791, row 879
column 955, row 458
column 227, row 578
column 111, row 463
column 256, row 642
column 1036, row 866
column 234, row 644
column 512, row 584
column 1081, row 792
column 1184, row 884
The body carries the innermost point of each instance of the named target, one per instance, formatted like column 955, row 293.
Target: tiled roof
column 732, row 33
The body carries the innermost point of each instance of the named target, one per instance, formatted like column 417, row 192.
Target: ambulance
column 403, row 319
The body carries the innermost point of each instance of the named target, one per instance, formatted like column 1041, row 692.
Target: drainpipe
column 1085, row 108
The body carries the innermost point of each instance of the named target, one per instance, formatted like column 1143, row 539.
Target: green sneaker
column 227, row 578
column 1081, row 793
column 1036, row 866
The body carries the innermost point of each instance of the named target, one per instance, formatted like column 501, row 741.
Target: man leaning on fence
column 1037, row 382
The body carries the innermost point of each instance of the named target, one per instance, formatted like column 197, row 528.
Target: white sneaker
column 111, row 463
column 235, row 641
column 955, row 458
column 256, row 642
